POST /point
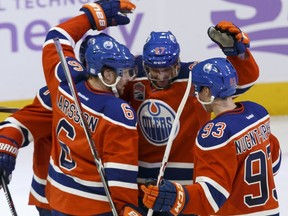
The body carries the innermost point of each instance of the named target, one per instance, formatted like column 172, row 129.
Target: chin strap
column 205, row 102
column 112, row 86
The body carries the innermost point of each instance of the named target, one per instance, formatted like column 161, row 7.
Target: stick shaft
column 8, row 197
column 8, row 109
column 172, row 133
column 91, row 143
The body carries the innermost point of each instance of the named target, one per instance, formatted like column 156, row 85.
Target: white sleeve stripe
column 209, row 196
column 77, row 192
column 77, row 180
column 121, row 166
column 67, row 35
column 123, row 185
column 276, row 162
column 10, row 124
column 39, row 180
column 38, row 196
column 69, row 42
column 16, row 124
column 169, row 164
column 214, row 184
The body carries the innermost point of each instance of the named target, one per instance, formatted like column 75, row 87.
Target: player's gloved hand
column 168, row 196
column 230, row 38
column 130, row 209
column 104, row 13
column 8, row 154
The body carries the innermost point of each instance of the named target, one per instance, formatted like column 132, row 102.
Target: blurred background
column 24, row 24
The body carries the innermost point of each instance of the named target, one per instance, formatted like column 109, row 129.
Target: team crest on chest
column 155, row 119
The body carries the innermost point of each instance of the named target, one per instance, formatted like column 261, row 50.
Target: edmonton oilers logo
column 155, row 119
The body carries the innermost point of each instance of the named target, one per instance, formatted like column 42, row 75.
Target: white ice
column 20, row 184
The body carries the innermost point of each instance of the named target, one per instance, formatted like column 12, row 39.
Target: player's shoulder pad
column 76, row 69
column 185, row 69
column 255, row 106
column 120, row 111
column 213, row 134
column 44, row 97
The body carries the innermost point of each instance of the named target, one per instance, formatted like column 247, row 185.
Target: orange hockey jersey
column 74, row 185
column 236, row 157
column 156, row 110
column 33, row 123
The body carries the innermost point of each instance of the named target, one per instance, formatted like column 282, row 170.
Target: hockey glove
column 229, row 37
column 168, row 196
column 130, row 209
column 104, row 13
column 8, row 154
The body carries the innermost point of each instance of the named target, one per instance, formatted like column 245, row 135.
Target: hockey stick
column 8, row 109
column 8, row 197
column 91, row 143
column 171, row 136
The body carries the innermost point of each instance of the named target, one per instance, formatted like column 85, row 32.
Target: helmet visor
column 127, row 73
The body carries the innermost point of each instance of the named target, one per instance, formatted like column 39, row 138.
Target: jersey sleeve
column 247, row 71
column 235, row 159
column 35, row 119
column 212, row 189
column 275, row 153
column 121, row 168
column 68, row 33
column 12, row 133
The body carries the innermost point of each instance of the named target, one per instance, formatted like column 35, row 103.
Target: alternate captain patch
column 139, row 91
column 155, row 119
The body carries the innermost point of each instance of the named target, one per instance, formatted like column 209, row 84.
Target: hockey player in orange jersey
column 247, row 77
column 32, row 123
column 236, row 156
column 74, row 185
column 125, row 117
column 150, row 168
column 158, row 90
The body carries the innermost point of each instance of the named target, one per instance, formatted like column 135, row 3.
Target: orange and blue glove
column 104, row 13
column 230, row 38
column 167, row 197
column 8, row 154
